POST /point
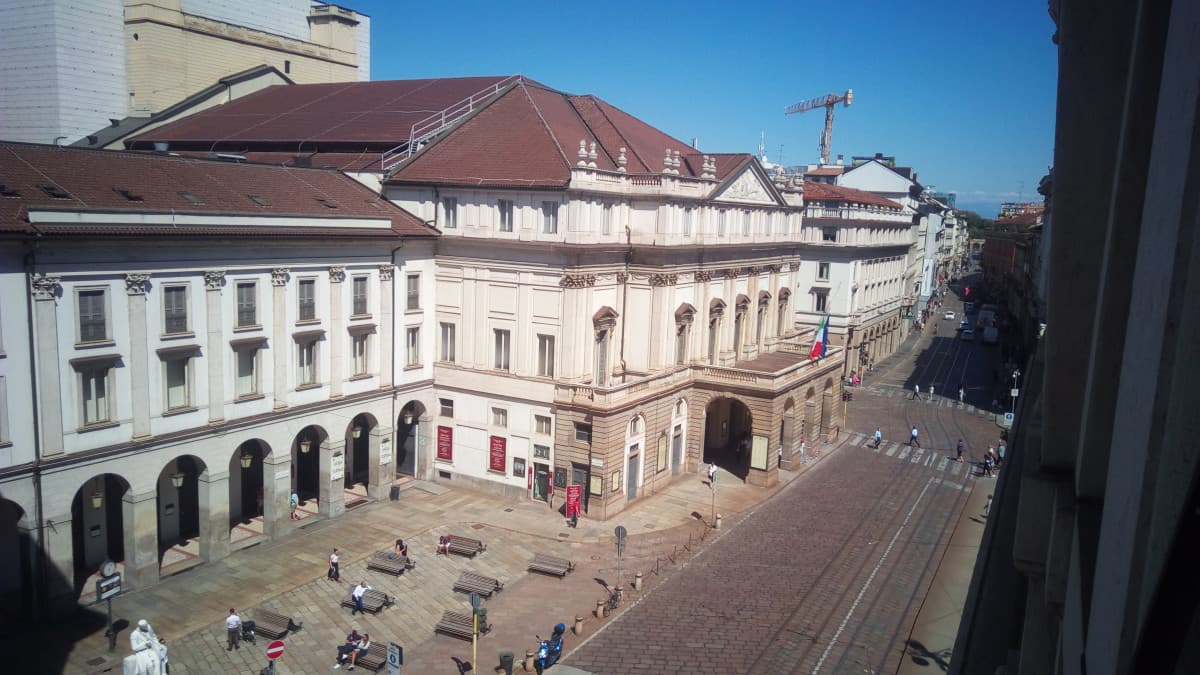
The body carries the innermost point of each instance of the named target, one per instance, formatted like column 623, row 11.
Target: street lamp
column 246, row 459
column 408, row 416
column 177, row 479
column 356, row 431
column 305, row 445
column 97, row 499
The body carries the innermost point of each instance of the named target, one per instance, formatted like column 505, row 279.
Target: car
column 964, row 325
column 948, row 315
column 967, row 335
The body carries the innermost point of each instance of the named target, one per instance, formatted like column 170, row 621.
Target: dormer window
column 260, row 200
column 56, row 192
column 191, row 198
column 129, row 195
column 6, row 191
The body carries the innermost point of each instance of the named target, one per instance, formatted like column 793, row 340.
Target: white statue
column 149, row 655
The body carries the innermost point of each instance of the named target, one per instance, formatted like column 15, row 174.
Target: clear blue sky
column 964, row 92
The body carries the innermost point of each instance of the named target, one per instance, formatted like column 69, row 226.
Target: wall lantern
column 177, row 479
column 356, row 432
column 247, row 459
column 97, row 499
column 408, row 416
column 305, row 445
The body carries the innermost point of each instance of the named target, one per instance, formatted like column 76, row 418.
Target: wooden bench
column 548, row 564
column 382, row 562
column 373, row 600
column 465, row 546
column 375, row 659
column 273, row 624
column 458, row 625
column 469, row 582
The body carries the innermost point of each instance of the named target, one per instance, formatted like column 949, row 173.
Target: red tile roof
column 93, row 180
column 824, row 192
column 1022, row 219
column 826, row 171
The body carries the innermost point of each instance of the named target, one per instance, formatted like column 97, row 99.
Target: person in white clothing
column 233, row 630
column 148, row 652
column 712, row 475
column 359, row 591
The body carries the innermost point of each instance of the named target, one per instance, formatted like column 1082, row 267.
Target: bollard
column 528, row 664
column 579, row 625
column 637, row 582
column 599, row 609
column 717, row 524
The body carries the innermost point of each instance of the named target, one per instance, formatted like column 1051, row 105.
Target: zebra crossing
column 938, row 460
column 886, row 391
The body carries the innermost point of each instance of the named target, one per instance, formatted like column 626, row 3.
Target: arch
column 728, row 424
column 636, row 426
column 99, row 530
column 251, row 497
column 678, row 435
column 680, row 409
column 311, row 457
column 16, row 561
column 362, row 457
column 411, row 427
column 181, row 505
column 634, row 455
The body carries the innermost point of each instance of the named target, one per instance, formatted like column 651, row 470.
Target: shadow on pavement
column 921, row 656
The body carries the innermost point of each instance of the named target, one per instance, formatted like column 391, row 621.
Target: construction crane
column 827, row 102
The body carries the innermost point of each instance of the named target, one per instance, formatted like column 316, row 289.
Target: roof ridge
column 546, row 126
column 43, row 174
column 617, row 130
column 428, row 83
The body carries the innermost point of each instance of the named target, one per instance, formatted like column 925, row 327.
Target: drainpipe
column 37, row 571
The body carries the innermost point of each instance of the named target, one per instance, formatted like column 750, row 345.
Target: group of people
column 355, row 647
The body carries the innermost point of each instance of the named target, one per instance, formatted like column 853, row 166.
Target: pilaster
column 57, row 546
column 337, row 332
column 45, row 291
column 215, row 353
column 387, row 300
column 214, row 516
column 140, row 526
column 332, row 500
column 136, row 285
column 279, row 280
column 277, row 492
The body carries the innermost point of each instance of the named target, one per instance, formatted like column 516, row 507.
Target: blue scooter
column 549, row 650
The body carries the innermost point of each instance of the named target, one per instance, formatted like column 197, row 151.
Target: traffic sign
column 620, row 532
column 395, row 658
column 1014, row 392
column 474, row 598
column 275, row 650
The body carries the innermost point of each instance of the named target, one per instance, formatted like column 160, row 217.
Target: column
column 332, row 501
column 140, row 525
column 379, row 462
column 570, row 350
column 45, row 290
column 337, row 332
column 659, row 313
column 215, row 351
column 618, row 335
column 139, row 356
column 280, row 346
column 386, row 301
column 699, row 352
column 771, row 326
column 59, row 581
column 277, row 490
column 214, row 515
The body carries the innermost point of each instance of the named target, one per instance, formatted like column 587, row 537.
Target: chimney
column 695, row 143
column 841, row 160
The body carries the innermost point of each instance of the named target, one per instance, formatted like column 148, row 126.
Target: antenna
column 827, row 102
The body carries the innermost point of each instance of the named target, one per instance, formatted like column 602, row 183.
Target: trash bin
column 394, row 495
column 506, row 662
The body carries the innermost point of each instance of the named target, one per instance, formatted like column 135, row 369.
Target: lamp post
column 246, row 459
column 177, row 479
column 305, row 445
column 97, row 500
column 1015, row 374
column 408, row 416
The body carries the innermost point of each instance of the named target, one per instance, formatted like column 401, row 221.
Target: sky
column 964, row 92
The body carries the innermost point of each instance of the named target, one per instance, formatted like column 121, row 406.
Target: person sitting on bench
column 363, row 646
column 400, row 550
column 347, row 648
column 443, row 546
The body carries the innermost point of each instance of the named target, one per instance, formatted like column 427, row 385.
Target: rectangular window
column 745, row 223
column 541, row 452
column 722, row 217
column 360, row 296
column 688, row 214
column 412, row 346
column 828, row 234
column 413, row 291
column 450, row 207
column 177, row 381
column 601, row 377
column 713, row 326
column 501, row 339
column 518, row 470
column 93, row 324
column 359, row 350
column 447, row 342
column 823, row 271
column 545, row 356
column 306, row 363
column 499, row 417
column 247, row 372
column 549, row 217
column 541, row 424
column 820, row 301
column 308, row 299
column 681, row 343
column 606, row 221
column 583, row 432
column 506, row 214
column 247, row 304
column 96, row 404
column 175, row 310
column 446, row 407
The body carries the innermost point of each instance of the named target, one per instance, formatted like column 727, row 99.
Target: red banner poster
column 445, row 444
column 498, row 454
column 574, row 500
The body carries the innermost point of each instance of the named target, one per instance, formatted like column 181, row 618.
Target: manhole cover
column 477, row 526
column 595, row 557
column 563, row 535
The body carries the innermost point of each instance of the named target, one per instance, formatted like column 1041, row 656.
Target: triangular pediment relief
column 747, row 188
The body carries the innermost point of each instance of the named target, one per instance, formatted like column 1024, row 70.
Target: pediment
column 747, row 188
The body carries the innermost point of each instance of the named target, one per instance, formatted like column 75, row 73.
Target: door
column 632, row 477
column 677, row 451
column 579, row 476
column 541, row 481
column 406, row 446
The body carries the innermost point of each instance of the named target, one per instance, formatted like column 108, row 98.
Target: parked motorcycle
column 550, row 650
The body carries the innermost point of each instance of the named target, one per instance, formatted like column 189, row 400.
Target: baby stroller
column 248, row 631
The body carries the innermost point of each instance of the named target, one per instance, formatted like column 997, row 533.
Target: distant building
column 1010, row 209
column 70, row 67
column 947, row 198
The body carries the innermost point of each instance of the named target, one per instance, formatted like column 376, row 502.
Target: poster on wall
column 758, row 453
column 337, row 467
column 497, row 454
column 445, row 444
column 385, row 454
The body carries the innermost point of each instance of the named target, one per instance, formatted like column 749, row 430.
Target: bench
column 465, row 546
column 375, row 659
column 382, row 562
column 548, row 564
column 458, row 625
column 273, row 624
column 469, row 582
column 373, row 601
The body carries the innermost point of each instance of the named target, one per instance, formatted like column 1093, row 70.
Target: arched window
column 635, row 425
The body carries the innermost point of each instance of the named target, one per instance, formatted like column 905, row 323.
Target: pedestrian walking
column 912, row 439
column 987, row 466
column 878, row 437
column 931, row 393
column 962, row 395
column 916, row 392
column 357, row 594
column 233, row 630
column 712, row 475
column 334, row 571
column 1000, row 456
column 958, row 451
column 294, row 502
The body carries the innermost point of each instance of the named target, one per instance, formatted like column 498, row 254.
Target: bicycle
column 614, row 599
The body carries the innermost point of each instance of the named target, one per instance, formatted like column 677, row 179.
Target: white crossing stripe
column 942, row 464
column 916, row 456
column 904, row 454
column 892, row 450
column 957, row 469
column 855, row 439
column 929, row 460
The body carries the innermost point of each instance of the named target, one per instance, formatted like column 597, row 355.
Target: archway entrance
column 16, row 597
column 248, row 494
column 727, row 430
column 408, row 438
column 307, row 449
column 179, row 514
column 97, row 530
column 362, row 477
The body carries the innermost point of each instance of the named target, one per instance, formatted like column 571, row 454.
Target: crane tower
column 827, row 102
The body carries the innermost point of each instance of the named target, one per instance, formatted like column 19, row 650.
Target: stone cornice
column 577, row 281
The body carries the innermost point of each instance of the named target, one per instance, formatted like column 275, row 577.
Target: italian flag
column 822, row 340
